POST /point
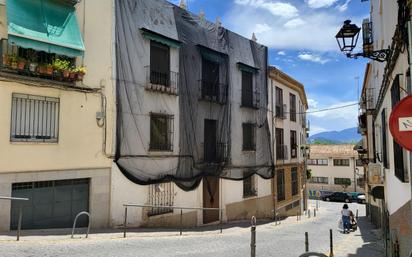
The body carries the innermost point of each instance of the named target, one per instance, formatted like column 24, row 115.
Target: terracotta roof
column 317, row 151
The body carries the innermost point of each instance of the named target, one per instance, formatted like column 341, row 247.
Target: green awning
column 247, row 68
column 44, row 25
column 151, row 35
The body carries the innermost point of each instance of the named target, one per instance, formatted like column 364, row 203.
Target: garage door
column 53, row 204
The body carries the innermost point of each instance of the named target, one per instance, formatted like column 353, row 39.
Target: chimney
column 183, row 4
column 254, row 37
column 202, row 15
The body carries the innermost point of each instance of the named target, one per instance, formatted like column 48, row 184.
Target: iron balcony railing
column 161, row 81
column 38, row 65
column 251, row 99
column 362, row 123
column 217, row 155
column 281, row 152
column 213, row 91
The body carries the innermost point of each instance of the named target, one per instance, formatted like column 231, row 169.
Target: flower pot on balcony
column 49, row 70
column 65, row 73
column 33, row 67
column 72, row 76
column 14, row 65
column 21, row 65
column 6, row 60
column 80, row 76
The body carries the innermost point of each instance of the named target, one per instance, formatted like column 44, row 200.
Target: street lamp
column 348, row 36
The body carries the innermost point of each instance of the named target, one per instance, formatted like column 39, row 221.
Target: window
column 319, row 180
column 161, row 132
column 210, row 80
column 359, row 162
column 342, row 181
column 159, row 64
column 160, row 195
column 281, row 149
column 247, row 89
column 292, row 102
column 279, row 112
column 340, row 162
column 293, row 144
column 397, row 149
column 317, row 162
column 384, row 140
column 249, row 187
column 295, row 182
column 34, row 118
column 281, row 185
column 249, row 137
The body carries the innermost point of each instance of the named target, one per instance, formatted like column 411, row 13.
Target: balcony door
column 159, row 64
column 210, row 79
column 210, row 141
column 210, row 199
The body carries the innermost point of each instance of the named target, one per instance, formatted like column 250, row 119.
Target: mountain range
column 346, row 136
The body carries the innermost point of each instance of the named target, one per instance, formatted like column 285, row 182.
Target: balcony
column 38, row 65
column 217, row 155
column 163, row 82
column 362, row 127
column 281, row 152
column 375, row 174
column 280, row 111
column 213, row 92
column 251, row 100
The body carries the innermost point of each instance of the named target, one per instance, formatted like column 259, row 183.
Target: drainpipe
column 354, row 173
column 274, row 187
column 409, row 92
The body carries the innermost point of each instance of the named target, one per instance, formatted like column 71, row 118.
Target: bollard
column 317, row 204
column 125, row 222
column 306, row 242
column 297, row 216
column 253, row 237
column 331, row 243
column 19, row 224
column 357, row 213
column 221, row 221
column 181, row 221
column 314, row 212
column 309, row 214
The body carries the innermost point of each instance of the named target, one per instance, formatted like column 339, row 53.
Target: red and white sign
column 400, row 123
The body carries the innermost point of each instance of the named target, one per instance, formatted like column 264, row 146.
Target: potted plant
column 33, row 62
column 80, row 71
column 13, row 61
column 62, row 67
column 42, row 68
column 72, row 74
column 21, row 63
column 49, row 69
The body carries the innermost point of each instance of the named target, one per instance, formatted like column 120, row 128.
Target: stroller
column 353, row 222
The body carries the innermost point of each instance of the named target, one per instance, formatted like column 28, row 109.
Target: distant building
column 289, row 104
column 334, row 168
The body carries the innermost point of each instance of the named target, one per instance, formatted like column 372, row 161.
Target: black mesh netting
column 208, row 112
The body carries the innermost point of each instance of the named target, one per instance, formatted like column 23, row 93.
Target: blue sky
column 300, row 36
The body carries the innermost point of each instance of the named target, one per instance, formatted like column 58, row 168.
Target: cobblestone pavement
column 284, row 240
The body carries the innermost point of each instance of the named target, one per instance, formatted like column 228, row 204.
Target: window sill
column 156, row 152
column 249, row 107
column 251, row 196
column 157, row 214
column 249, row 151
column 33, row 142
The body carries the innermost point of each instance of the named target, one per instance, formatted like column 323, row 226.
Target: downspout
column 409, row 92
column 273, row 146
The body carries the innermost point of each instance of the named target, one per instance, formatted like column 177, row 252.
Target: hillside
column 336, row 137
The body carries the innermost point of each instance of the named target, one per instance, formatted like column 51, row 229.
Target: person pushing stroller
column 346, row 218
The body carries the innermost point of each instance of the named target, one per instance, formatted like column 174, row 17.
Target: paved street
column 283, row 240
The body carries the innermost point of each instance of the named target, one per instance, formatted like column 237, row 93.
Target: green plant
column 80, row 69
column 60, row 64
column 308, row 173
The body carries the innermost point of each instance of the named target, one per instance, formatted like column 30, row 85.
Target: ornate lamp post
column 348, row 36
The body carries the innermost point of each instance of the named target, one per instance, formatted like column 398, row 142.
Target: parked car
column 361, row 198
column 337, row 197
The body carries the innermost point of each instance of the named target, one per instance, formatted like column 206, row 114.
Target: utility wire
column 334, row 108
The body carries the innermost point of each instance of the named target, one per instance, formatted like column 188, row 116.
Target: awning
column 44, row 25
column 247, row 68
column 151, row 35
column 211, row 55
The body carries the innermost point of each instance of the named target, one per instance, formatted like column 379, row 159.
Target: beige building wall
column 84, row 144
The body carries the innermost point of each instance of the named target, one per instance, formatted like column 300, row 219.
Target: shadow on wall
column 372, row 246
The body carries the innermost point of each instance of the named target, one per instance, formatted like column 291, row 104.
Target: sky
column 300, row 35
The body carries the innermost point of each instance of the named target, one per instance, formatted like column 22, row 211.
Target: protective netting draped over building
column 208, row 113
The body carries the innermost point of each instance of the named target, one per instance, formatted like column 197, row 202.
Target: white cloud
column 294, row 23
column 316, row 4
column 312, row 58
column 261, row 28
column 281, row 53
column 275, row 8
column 344, row 6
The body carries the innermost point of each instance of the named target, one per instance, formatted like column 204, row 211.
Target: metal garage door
column 53, row 204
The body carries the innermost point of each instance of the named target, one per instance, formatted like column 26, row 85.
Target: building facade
column 53, row 129
column 334, row 168
column 388, row 165
column 287, row 106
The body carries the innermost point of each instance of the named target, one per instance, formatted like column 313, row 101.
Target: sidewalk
column 365, row 242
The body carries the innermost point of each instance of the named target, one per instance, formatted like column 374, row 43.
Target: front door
column 210, row 199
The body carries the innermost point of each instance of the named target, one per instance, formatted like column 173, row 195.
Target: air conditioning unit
column 375, row 174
